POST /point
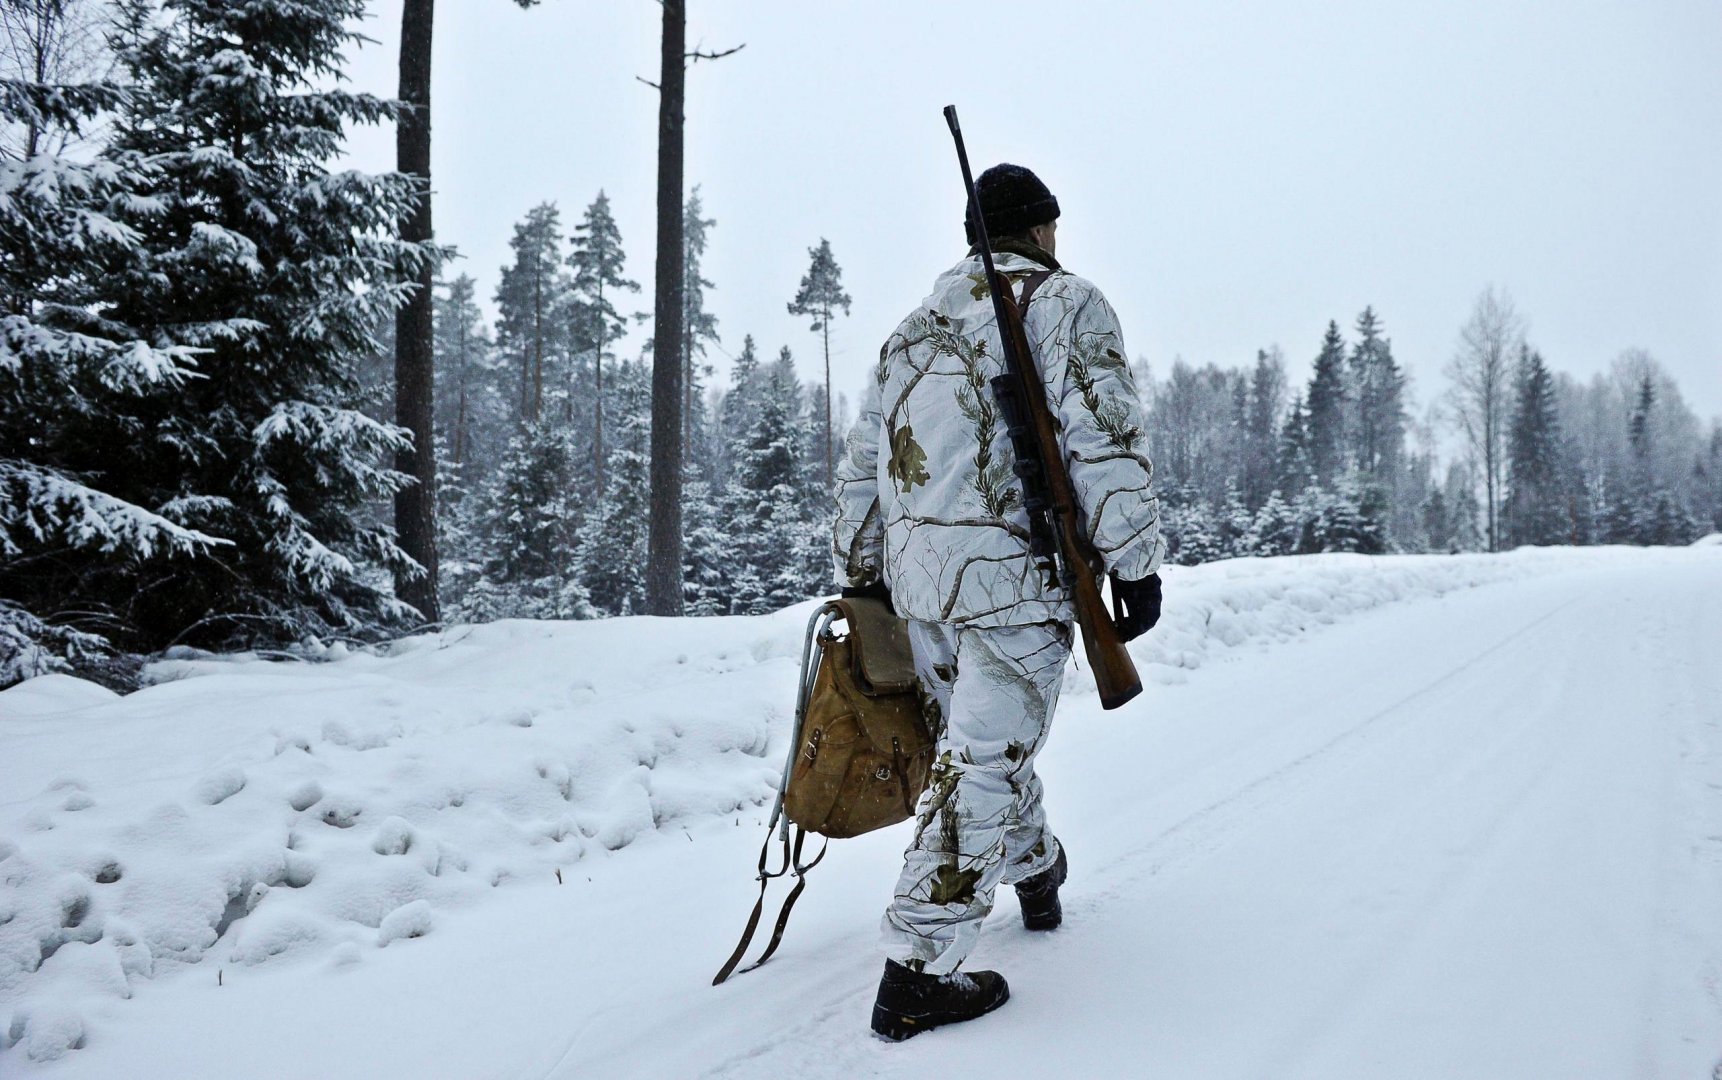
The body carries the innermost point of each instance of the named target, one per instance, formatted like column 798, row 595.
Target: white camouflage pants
column 980, row 822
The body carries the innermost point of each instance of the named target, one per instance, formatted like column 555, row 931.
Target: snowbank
column 241, row 811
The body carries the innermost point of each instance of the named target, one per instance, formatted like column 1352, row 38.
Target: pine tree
column 820, row 295
column 530, row 298
column 597, row 259
column 1325, row 408
column 250, row 249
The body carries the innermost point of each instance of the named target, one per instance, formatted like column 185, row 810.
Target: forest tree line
column 196, row 444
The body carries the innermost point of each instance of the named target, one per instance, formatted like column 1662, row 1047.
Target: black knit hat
column 1013, row 200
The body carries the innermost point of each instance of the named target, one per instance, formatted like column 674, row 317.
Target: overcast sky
column 1232, row 175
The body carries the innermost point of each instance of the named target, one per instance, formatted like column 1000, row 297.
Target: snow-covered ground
column 1407, row 816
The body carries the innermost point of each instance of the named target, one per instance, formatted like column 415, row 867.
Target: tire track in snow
column 1203, row 831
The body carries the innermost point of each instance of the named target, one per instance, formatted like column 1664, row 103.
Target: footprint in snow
column 218, row 787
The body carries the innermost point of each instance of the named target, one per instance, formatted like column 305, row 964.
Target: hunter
column 930, row 518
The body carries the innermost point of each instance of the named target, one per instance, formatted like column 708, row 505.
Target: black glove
column 1137, row 604
column 875, row 591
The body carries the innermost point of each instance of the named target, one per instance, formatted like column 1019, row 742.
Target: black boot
column 910, row 1002
column 1039, row 895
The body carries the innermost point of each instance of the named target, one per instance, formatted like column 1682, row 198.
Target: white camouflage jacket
column 926, row 497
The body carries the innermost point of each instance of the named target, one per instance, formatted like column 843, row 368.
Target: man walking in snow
column 930, row 517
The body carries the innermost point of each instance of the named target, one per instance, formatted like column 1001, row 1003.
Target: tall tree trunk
column 827, row 321
column 415, row 506
column 460, row 417
column 598, row 396
column 664, row 537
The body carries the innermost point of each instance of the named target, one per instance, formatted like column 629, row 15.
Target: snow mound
column 243, row 811
column 50, row 695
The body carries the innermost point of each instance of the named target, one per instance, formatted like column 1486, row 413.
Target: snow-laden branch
column 45, row 505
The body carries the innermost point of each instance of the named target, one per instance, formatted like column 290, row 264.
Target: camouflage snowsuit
column 928, row 504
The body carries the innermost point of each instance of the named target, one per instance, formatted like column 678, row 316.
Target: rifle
column 1057, row 540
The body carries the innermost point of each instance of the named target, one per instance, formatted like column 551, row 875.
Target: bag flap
column 884, row 663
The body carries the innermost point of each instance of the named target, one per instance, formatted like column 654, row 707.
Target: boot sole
column 897, row 1026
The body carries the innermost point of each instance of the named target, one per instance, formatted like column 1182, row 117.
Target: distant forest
column 199, row 445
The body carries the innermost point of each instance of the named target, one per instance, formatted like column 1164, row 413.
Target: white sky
column 1232, row 174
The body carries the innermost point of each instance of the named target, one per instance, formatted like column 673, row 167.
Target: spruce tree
column 532, row 540
column 612, row 546
column 1437, row 528
column 1295, row 468
column 1325, row 410
column 736, row 412
column 764, row 508
column 1378, row 407
column 820, row 295
column 251, row 250
column 73, row 384
column 597, row 259
column 1532, row 511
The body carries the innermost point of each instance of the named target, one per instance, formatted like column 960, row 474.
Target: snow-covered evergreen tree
column 247, row 249
column 532, row 569
column 1261, row 429
column 612, row 547
column 1325, row 410
column 1533, row 510
column 74, row 385
column 764, row 508
column 1295, row 469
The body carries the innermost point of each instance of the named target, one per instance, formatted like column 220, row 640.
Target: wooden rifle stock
column 1079, row 566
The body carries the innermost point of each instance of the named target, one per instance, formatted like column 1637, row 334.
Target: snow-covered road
column 1474, row 834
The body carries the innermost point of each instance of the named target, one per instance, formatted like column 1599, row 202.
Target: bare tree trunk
column 664, row 538
column 415, row 506
column 460, row 418
column 827, row 321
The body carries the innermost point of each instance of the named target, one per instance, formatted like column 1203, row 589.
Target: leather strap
column 758, row 905
column 1032, row 282
column 791, row 858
